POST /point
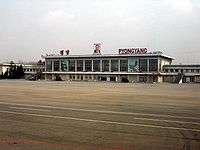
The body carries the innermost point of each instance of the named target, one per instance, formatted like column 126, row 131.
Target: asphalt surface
column 98, row 116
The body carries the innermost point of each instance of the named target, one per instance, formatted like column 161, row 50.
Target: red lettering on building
column 130, row 51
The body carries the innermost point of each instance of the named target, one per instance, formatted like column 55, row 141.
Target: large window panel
column 56, row 65
column 79, row 65
column 153, row 65
column 105, row 65
column 72, row 65
column 64, row 65
column 124, row 65
column 49, row 65
column 96, row 65
column 143, row 65
column 114, row 65
column 88, row 65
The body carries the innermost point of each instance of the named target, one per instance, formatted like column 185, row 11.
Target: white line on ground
column 23, row 108
column 101, row 111
column 101, row 121
column 135, row 118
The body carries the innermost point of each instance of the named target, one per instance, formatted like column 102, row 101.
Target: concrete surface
column 42, row 115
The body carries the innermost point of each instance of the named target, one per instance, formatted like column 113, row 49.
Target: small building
column 187, row 73
column 29, row 69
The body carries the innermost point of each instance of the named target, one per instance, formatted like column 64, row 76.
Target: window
column 124, row 65
column 143, row 65
column 56, row 65
column 72, row 65
column 153, row 65
column 64, row 65
column 48, row 66
column 79, row 65
column 114, row 65
column 96, row 65
column 105, row 65
column 88, row 65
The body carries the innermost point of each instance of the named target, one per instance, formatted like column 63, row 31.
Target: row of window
column 142, row 65
column 33, row 70
column 182, row 70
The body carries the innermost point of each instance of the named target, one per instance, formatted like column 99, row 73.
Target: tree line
column 13, row 72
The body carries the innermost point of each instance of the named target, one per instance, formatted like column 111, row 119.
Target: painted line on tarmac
column 135, row 118
column 100, row 121
column 24, row 108
column 101, row 111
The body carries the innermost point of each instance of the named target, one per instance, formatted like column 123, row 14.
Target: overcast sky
column 29, row 28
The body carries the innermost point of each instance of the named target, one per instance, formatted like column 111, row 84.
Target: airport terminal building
column 129, row 65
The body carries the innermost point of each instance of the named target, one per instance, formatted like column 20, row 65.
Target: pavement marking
column 136, row 118
column 24, row 108
column 101, row 121
column 102, row 111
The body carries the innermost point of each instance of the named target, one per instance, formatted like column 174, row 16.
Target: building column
column 159, row 66
column 108, row 78
column 92, row 66
column 92, row 77
column 45, row 76
column 45, row 66
column 109, row 65
column 118, row 65
column 116, row 78
column 75, row 76
column 52, row 67
column 83, row 77
column 83, row 65
column 101, row 66
column 147, row 65
column 75, row 65
column 60, row 65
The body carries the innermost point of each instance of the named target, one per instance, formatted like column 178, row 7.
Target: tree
column 14, row 72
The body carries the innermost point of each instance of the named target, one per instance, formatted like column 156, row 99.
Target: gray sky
column 29, row 28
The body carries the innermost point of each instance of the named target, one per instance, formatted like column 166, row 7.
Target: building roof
column 107, row 56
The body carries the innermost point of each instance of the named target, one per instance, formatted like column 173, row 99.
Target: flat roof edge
column 108, row 55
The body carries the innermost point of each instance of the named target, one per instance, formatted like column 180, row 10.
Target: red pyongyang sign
column 130, row 51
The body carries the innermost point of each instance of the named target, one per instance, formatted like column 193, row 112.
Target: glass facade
column 64, row 65
column 56, row 65
column 114, row 65
column 124, row 65
column 105, row 65
column 130, row 64
column 133, row 64
column 72, row 65
column 153, row 65
column 96, row 65
column 49, row 65
column 79, row 65
column 143, row 65
column 88, row 65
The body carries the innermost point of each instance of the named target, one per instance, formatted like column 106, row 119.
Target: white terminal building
column 129, row 65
